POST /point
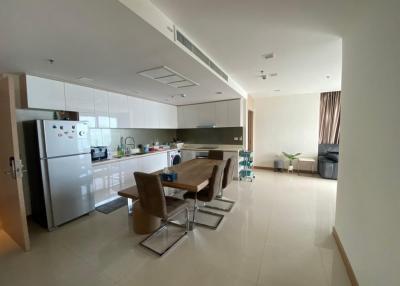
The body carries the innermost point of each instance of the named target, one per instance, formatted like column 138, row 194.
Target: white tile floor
column 279, row 233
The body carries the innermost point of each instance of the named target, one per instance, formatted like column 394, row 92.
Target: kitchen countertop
column 113, row 160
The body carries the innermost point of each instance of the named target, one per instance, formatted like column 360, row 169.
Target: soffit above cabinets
column 107, row 43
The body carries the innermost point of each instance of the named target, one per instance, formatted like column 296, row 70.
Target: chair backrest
column 228, row 173
column 216, row 155
column 151, row 194
column 215, row 185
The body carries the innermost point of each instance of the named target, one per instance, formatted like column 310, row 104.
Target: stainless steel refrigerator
column 59, row 170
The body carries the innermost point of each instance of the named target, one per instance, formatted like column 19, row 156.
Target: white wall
column 368, row 198
column 285, row 123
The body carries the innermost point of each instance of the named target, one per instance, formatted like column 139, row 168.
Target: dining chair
column 226, row 180
column 208, row 194
column 153, row 201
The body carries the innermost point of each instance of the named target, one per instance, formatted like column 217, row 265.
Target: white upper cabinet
column 235, row 113
column 221, row 114
column 188, row 116
column 205, row 115
column 168, row 116
column 79, row 98
column 118, row 110
column 151, row 114
column 42, row 93
column 137, row 112
column 172, row 116
column 101, row 108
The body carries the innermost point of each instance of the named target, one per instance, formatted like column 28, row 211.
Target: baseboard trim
column 285, row 170
column 346, row 261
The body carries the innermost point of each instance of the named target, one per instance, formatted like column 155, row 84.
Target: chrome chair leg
column 197, row 209
column 164, row 226
column 221, row 198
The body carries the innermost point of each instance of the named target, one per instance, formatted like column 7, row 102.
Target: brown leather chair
column 154, row 202
column 216, row 155
column 208, row 194
column 227, row 179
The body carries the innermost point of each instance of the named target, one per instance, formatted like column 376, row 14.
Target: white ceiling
column 305, row 36
column 102, row 40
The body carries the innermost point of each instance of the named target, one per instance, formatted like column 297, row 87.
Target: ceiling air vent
column 199, row 54
column 168, row 76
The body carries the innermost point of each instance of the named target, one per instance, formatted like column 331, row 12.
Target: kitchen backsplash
column 111, row 137
column 211, row 135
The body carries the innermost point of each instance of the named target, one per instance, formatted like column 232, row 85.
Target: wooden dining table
column 192, row 175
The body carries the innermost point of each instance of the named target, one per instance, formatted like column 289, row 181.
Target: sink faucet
column 127, row 145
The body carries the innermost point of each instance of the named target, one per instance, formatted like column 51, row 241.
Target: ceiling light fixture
column 168, row 76
column 276, row 90
column 219, row 92
column 85, row 79
column 180, row 95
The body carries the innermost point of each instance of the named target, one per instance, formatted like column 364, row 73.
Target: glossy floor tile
column 278, row 233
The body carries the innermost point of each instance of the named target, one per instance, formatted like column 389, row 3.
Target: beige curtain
column 329, row 118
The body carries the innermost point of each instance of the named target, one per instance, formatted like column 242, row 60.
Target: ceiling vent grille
column 168, row 76
column 199, row 54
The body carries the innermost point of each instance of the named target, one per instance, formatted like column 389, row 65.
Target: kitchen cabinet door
column 43, row 93
column 190, row 116
column 101, row 184
column 137, row 112
column 118, row 110
column 171, row 116
column 205, row 115
column 154, row 162
column 101, row 108
column 188, row 155
column 79, row 98
column 181, row 117
column 114, row 175
column 167, row 116
column 235, row 113
column 128, row 167
column 151, row 109
column 221, row 114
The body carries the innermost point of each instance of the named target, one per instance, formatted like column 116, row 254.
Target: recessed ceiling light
column 219, row 92
column 328, row 76
column 51, row 60
column 183, row 95
column 268, row 56
column 276, row 90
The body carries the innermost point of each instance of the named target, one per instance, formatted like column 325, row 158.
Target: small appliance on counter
column 99, row 153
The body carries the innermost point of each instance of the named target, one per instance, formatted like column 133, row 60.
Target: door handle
column 16, row 168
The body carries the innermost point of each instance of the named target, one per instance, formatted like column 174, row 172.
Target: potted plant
column 291, row 158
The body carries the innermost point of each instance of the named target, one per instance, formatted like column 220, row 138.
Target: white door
column 12, row 204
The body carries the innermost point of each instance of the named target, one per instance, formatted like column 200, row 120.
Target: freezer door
column 70, row 180
column 63, row 138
